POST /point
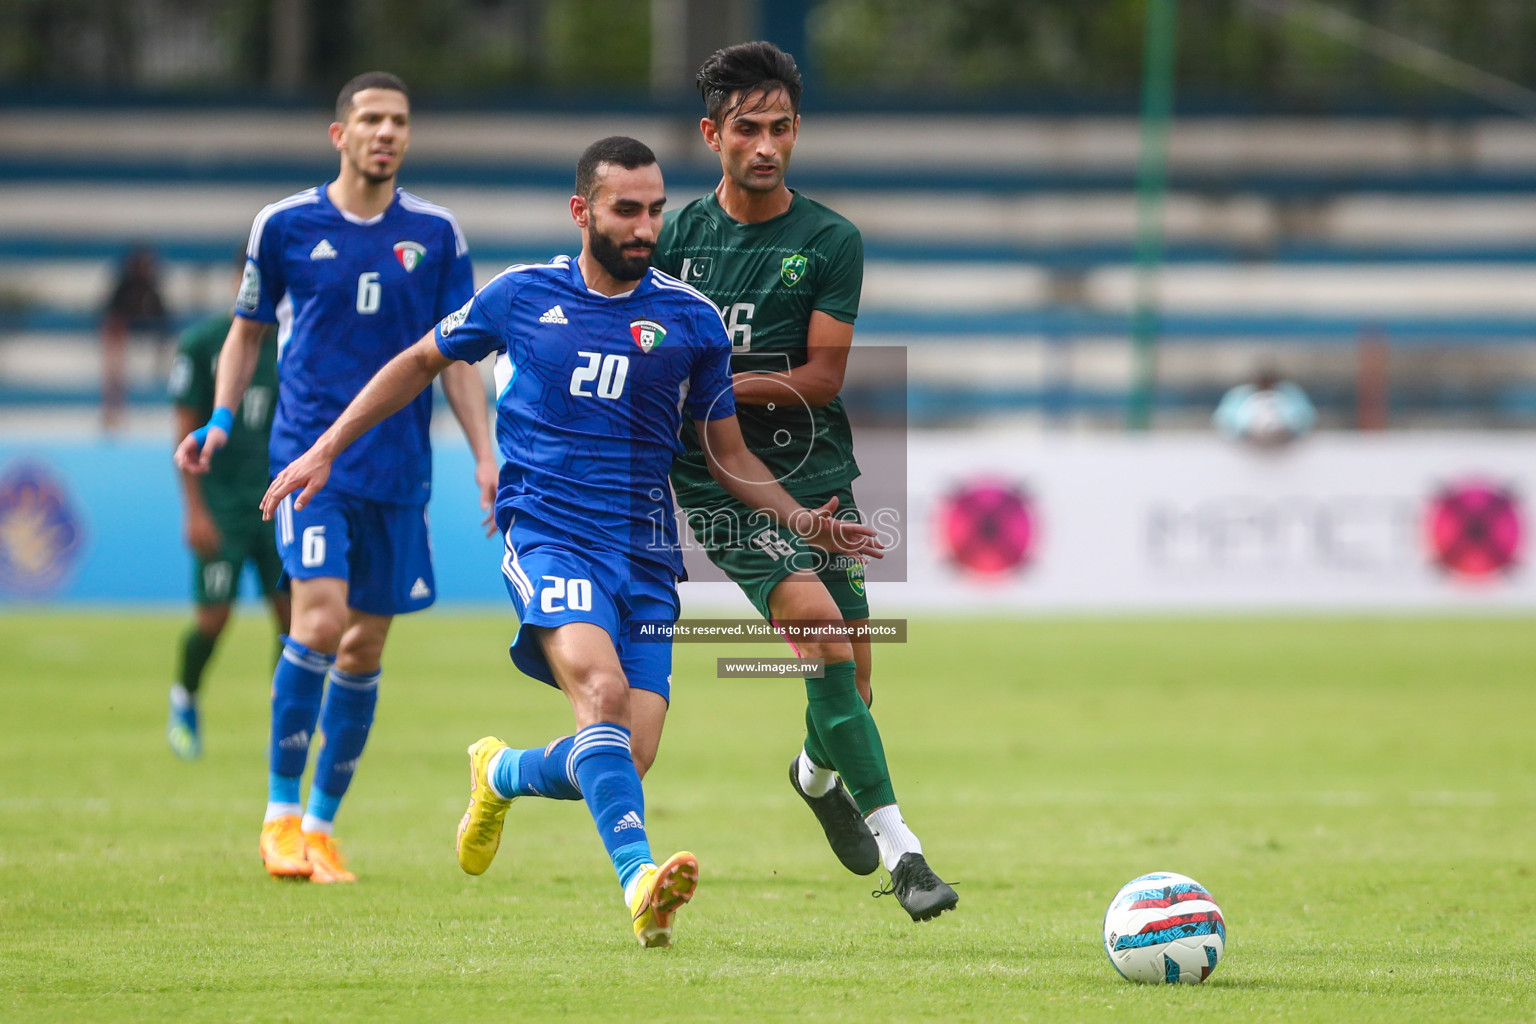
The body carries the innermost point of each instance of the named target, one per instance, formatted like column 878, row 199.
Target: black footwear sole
column 842, row 824
column 929, row 913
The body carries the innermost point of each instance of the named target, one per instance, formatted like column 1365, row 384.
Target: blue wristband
column 222, row 418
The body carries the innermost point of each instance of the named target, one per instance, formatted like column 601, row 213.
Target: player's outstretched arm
column 465, row 392
column 201, row 532
column 816, row 381
column 391, row 389
column 237, row 364
column 744, row 476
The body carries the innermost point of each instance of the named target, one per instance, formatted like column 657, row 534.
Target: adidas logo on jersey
column 323, row 250
column 554, row 315
column 630, row 820
column 419, row 589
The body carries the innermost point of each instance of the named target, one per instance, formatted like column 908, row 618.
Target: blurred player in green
column 223, row 511
column 786, row 273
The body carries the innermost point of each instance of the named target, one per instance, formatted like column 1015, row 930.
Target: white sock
column 490, row 771
column 634, row 883
column 892, row 835
column 314, row 824
column 180, row 698
column 814, row 779
column 276, row 810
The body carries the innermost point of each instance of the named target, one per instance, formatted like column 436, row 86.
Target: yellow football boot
column 282, row 848
column 325, row 859
column 480, row 828
column 661, row 893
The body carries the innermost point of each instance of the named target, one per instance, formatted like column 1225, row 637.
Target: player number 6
column 312, row 546
column 368, row 292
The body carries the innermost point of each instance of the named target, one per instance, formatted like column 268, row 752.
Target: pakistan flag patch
column 792, row 270
column 647, row 334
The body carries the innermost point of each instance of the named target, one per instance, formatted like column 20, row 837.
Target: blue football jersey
column 347, row 296
column 591, row 392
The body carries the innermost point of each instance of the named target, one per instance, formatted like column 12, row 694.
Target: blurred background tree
column 1233, row 51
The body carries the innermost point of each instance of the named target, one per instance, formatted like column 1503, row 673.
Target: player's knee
column 831, row 652
column 319, row 628
column 211, row 619
column 602, row 694
column 359, row 653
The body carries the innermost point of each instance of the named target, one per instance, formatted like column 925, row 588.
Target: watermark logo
column 988, row 527
column 40, row 531
column 1475, row 529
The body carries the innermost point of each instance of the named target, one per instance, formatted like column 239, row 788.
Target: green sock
column 838, row 718
column 814, row 748
column 196, row 649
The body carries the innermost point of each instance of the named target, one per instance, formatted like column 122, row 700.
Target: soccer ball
column 1164, row 928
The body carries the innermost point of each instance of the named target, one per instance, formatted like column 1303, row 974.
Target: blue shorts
column 553, row 582
column 379, row 547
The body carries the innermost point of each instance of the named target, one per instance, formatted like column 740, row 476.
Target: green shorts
column 756, row 554
column 246, row 539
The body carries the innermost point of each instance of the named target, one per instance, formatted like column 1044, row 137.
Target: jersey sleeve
column 458, row 282
column 475, row 329
column 262, row 285
column 837, row 292
column 191, row 381
column 710, row 394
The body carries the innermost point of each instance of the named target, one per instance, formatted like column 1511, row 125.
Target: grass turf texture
column 1357, row 794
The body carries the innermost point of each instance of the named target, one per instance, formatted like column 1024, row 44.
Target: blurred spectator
column 1268, row 412
column 134, row 309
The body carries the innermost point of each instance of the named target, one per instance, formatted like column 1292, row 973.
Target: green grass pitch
column 1360, row 795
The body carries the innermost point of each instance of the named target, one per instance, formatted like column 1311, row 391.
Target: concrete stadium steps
column 1050, row 226
column 860, row 141
column 58, row 291
column 999, row 246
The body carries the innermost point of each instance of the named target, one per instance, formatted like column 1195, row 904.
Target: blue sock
column 542, row 771
column 345, row 721
column 297, row 683
column 605, row 770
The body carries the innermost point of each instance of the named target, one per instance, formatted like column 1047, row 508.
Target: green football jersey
column 767, row 279
column 239, row 474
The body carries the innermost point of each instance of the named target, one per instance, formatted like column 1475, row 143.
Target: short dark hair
column 742, row 70
column 628, row 153
column 367, row 80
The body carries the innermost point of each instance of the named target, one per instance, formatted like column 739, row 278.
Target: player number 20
column 609, row 371
column 562, row 593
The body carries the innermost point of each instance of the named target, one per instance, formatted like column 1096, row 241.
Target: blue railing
column 693, row 178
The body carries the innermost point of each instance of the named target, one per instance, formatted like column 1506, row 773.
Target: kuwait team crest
column 409, row 254
column 647, row 334
column 792, row 269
